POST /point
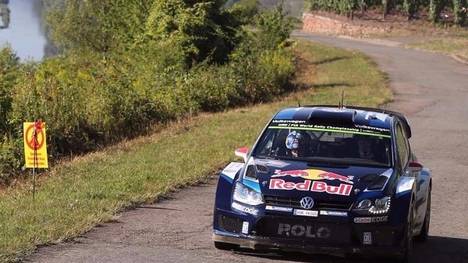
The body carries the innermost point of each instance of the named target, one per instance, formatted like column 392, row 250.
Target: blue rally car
column 326, row 179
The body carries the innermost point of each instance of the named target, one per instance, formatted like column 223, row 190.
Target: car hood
column 328, row 183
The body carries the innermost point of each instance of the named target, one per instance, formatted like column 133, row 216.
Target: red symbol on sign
column 34, row 136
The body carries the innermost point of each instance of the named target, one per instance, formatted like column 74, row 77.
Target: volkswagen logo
column 307, row 202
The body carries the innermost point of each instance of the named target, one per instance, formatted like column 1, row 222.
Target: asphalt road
column 431, row 89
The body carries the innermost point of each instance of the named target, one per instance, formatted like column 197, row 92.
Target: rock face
column 315, row 23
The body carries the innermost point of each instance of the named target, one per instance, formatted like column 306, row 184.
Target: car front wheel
column 407, row 249
column 427, row 221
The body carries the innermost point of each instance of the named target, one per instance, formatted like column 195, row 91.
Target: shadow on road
column 442, row 249
column 436, row 249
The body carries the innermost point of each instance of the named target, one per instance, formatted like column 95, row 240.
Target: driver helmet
column 294, row 140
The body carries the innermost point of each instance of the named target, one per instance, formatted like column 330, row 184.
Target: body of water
column 21, row 28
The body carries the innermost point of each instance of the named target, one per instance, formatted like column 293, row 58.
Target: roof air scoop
column 341, row 117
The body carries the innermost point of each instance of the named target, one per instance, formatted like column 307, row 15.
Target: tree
column 435, row 8
column 411, row 7
column 458, row 12
column 385, row 8
column 97, row 25
column 203, row 29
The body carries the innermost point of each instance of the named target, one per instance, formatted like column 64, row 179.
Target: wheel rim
column 409, row 233
column 428, row 214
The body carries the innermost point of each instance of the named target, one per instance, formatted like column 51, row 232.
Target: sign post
column 35, row 148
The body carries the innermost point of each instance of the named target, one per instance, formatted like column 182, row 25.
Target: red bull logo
column 315, row 175
column 312, row 186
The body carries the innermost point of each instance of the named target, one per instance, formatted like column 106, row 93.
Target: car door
column 405, row 157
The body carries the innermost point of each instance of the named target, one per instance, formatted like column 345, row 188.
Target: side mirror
column 242, row 152
column 415, row 167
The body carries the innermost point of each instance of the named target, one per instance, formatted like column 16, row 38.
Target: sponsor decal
column 245, row 209
column 312, row 186
column 300, row 212
column 333, row 213
column 278, row 208
column 368, row 220
column 303, row 231
column 301, row 125
column 313, row 174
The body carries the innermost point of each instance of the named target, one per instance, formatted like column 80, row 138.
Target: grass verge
column 77, row 195
column 451, row 44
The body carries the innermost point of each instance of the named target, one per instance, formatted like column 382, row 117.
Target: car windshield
column 326, row 144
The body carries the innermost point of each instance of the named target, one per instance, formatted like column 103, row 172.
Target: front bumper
column 326, row 235
column 275, row 244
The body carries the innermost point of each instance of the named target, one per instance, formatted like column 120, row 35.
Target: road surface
column 431, row 89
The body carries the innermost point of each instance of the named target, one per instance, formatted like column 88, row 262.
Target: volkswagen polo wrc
column 326, row 179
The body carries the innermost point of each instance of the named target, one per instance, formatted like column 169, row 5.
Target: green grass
column 77, row 195
column 452, row 44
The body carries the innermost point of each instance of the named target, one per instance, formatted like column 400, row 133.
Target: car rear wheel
column 224, row 246
column 427, row 221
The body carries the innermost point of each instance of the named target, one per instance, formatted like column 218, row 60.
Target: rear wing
column 395, row 114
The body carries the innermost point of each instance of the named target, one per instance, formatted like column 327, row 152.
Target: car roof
column 348, row 115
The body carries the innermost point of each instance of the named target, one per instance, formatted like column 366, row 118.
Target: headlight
column 245, row 195
column 364, row 204
column 377, row 207
column 381, row 206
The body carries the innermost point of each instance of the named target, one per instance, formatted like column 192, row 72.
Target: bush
column 10, row 158
column 100, row 26
column 213, row 88
column 245, row 10
column 9, row 72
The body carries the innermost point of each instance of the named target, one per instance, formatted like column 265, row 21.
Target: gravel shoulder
column 432, row 89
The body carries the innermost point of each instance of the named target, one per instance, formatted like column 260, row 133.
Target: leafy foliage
column 435, row 8
column 126, row 65
column 97, row 25
column 245, row 10
column 202, row 28
column 343, row 7
column 9, row 72
column 460, row 11
column 410, row 7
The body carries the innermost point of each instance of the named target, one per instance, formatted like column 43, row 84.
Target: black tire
column 407, row 250
column 224, row 246
column 422, row 237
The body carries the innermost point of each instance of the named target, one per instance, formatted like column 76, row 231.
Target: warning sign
column 35, row 146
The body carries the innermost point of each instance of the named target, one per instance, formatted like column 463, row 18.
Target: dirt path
column 431, row 88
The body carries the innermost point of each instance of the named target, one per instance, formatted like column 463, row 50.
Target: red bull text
column 313, row 186
column 312, row 174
